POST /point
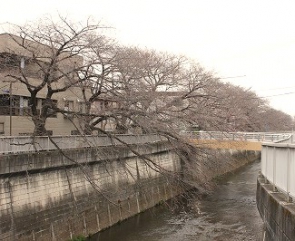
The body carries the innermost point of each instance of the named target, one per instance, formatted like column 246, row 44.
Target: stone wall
column 277, row 212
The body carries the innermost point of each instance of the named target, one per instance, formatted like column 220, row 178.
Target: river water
column 229, row 212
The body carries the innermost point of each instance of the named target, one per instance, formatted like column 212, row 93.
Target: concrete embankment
column 277, row 212
column 51, row 196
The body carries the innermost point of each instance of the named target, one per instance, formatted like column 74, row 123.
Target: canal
column 228, row 212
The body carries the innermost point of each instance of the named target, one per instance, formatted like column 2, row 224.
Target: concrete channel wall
column 276, row 190
column 277, row 212
column 50, row 196
column 46, row 196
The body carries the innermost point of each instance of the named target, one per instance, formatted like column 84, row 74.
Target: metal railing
column 239, row 136
column 40, row 143
column 278, row 165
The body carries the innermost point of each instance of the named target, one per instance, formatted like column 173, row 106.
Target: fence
column 278, row 165
column 40, row 143
column 240, row 136
column 29, row 144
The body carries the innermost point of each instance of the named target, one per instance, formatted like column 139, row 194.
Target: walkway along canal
column 228, row 213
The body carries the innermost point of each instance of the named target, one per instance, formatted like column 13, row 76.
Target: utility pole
column 10, row 108
column 10, row 104
column 11, row 81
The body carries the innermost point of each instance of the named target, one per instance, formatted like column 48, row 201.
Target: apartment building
column 15, row 99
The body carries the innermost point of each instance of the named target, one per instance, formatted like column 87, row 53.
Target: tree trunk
column 39, row 123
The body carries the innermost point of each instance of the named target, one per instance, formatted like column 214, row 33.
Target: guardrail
column 239, row 136
column 278, row 165
column 41, row 143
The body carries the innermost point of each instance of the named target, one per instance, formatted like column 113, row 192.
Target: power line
column 263, row 97
column 232, row 77
column 281, row 88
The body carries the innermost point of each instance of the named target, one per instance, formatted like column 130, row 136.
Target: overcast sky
column 251, row 38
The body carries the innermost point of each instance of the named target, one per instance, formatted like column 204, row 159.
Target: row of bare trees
column 153, row 91
column 150, row 91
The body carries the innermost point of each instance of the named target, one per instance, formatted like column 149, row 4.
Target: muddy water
column 228, row 213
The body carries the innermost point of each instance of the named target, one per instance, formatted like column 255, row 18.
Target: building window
column 69, row 106
column 51, row 111
column 24, row 108
column 4, row 105
column 75, row 132
column 49, row 132
column 19, row 105
column 82, row 107
column 1, row 128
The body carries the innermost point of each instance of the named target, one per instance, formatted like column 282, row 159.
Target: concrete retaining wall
column 50, row 196
column 46, row 196
column 278, row 214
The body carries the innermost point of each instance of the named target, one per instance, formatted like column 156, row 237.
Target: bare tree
column 157, row 90
column 52, row 59
column 150, row 91
column 273, row 120
column 238, row 107
column 243, row 110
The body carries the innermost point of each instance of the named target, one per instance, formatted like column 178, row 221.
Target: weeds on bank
column 78, row 238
